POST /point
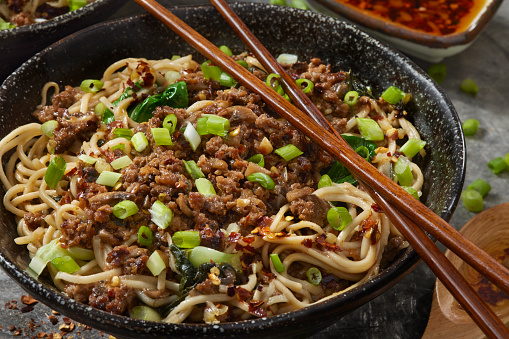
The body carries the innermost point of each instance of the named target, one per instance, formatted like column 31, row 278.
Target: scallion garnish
column 243, row 63
column 108, row 178
column 119, row 146
column 288, row 59
column 278, row 2
column 393, row 95
column 48, row 127
column 55, row 172
column 201, row 255
column 161, row 136
column 170, row 122
column 437, row 72
column 263, row 179
column 369, row 129
column 470, row 127
column 205, row 187
column 123, row 133
column 125, row 209
column 65, row 264
column 277, row 263
column 351, row 98
column 324, row 181
column 193, row 169
column 314, row 276
column 161, row 214
column 155, row 263
column 481, row 186
column 309, row 85
column 226, row 50
column 79, row 253
column 172, row 76
column 121, row 162
column 469, row 86
column 76, row 4
column 403, row 172
column 412, row 191
column 210, row 72
column 139, row 141
column 145, row 236
column 363, row 151
column 412, row 147
column 144, row 313
column 274, row 84
column 300, row 4
column 87, row 159
column 472, row 200
column 506, row 159
column 339, row 218
column 192, row 137
column 257, row 159
column 497, row 165
column 212, row 124
column 226, row 80
column 201, row 126
column 91, row 85
column 186, row 239
column 288, row 152
column 175, row 57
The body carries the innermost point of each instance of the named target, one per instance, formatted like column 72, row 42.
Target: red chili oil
column 437, row 17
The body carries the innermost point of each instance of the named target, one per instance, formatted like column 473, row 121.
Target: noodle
column 245, row 221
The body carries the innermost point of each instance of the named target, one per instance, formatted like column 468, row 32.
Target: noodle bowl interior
column 166, row 191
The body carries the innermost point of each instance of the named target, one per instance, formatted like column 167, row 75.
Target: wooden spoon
column 489, row 230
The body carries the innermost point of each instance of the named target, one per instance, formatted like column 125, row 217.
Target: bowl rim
column 56, row 21
column 102, row 320
column 399, row 31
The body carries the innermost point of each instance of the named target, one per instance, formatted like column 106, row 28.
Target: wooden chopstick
column 436, row 226
column 429, row 252
column 337, row 147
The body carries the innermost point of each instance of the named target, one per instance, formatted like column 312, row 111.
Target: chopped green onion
column 351, row 98
column 243, row 63
column 175, row 57
column 218, row 125
column 393, row 95
column 170, row 122
column 48, row 127
column 119, row 146
column 339, row 218
column 437, row 72
column 145, row 236
column 481, row 186
column 193, row 169
column 309, row 85
column 144, row 313
column 369, row 129
column 161, row 136
column 65, row 264
column 161, row 214
column 125, row 209
column 186, row 239
column 324, row 181
column 205, row 187
column 263, row 179
column 79, row 253
column 121, row 162
column 5, row 25
column 257, row 159
column 123, row 133
column 403, row 172
column 314, row 276
column 300, row 4
column 470, row 127
column 226, row 50
column 172, row 76
column 87, row 159
column 155, row 263
column 139, row 141
column 363, row 151
column 412, row 147
column 100, row 109
column 472, row 200
column 55, row 172
column 201, row 255
column 497, row 165
column 108, row 117
column 506, row 159
column 201, row 126
column 108, row 178
column 412, row 191
column 37, row 265
column 288, row 152
column 288, row 59
column 76, row 4
column 277, row 262
column 91, row 85
column 192, row 137
column 210, row 72
column 226, row 80
column 278, row 2
column 468, row 86
column 274, row 84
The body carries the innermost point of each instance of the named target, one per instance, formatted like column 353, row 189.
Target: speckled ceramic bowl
column 19, row 44
column 428, row 47
column 281, row 29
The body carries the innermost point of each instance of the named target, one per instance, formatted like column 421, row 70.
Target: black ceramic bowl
column 87, row 54
column 19, row 44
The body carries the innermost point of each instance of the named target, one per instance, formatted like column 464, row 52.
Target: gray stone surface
column 401, row 312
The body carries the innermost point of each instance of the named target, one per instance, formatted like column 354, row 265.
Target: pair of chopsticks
column 407, row 213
